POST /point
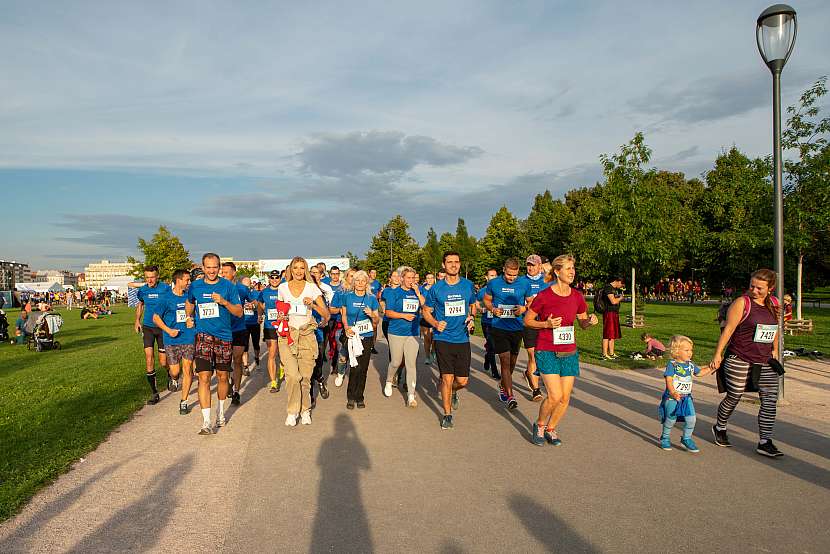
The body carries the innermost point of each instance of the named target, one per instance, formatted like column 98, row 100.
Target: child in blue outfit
column 676, row 403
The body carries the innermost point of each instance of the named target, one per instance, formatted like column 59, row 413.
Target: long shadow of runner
column 341, row 523
column 546, row 527
column 137, row 527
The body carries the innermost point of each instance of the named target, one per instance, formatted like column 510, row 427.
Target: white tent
column 279, row 264
column 118, row 284
column 38, row 287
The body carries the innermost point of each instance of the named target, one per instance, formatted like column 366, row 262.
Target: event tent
column 38, row 287
column 118, row 284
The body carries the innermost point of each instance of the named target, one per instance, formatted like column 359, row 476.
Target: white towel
column 355, row 348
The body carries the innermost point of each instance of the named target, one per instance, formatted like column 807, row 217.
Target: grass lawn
column 59, row 405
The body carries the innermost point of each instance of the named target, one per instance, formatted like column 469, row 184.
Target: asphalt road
column 388, row 479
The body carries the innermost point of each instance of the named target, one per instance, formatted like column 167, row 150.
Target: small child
column 654, row 348
column 676, row 403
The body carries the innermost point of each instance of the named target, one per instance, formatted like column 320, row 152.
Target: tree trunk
column 633, row 295
column 798, row 286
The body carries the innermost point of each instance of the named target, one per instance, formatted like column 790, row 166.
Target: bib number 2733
column 208, row 310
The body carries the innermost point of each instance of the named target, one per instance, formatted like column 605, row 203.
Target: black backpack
column 599, row 301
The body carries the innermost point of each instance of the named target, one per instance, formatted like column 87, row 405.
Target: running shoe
column 503, row 395
column 411, row 402
column 721, row 438
column 235, row 399
column 154, row 399
column 205, row 430
column 184, row 408
column 273, row 387
column 324, row 390
column 172, row 385
column 494, row 373
column 768, row 449
column 291, row 420
column 534, row 435
column 455, row 400
column 552, row 437
column 338, row 381
column 537, row 395
column 511, row 403
column 387, row 389
column 350, row 405
column 305, row 417
column 279, row 385
column 665, row 443
column 689, row 445
column 220, row 421
column 361, row 404
column 446, row 422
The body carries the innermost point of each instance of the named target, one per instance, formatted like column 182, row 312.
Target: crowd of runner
column 317, row 323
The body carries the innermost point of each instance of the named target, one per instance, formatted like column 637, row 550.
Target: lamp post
column 391, row 238
column 775, row 33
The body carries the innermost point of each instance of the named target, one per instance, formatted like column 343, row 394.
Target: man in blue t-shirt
column 450, row 308
column 535, row 281
column 239, row 330
column 486, row 325
column 252, row 323
column 150, row 295
column 506, row 298
column 171, row 317
column 267, row 301
column 375, row 289
column 212, row 301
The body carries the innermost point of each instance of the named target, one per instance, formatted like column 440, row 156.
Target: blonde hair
column 404, row 269
column 290, row 276
column 348, row 279
column 557, row 264
column 677, row 341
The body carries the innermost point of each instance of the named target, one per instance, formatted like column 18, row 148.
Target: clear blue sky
column 274, row 129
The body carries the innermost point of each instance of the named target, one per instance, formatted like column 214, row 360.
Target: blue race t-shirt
column 238, row 323
column 451, row 303
column 374, row 286
column 406, row 302
column 335, row 301
column 355, row 315
column 385, row 296
column 268, row 298
column 486, row 316
column 212, row 318
column 681, row 374
column 508, row 297
column 152, row 298
column 537, row 284
column 249, row 308
column 172, row 312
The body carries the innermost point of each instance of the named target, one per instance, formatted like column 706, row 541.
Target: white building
column 62, row 277
column 280, row 263
column 96, row 275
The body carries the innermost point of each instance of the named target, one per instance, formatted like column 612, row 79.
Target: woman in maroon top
column 750, row 338
column 553, row 312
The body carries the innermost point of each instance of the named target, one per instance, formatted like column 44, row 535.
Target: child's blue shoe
column 689, row 445
column 665, row 443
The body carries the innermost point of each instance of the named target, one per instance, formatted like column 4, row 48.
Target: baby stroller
column 4, row 327
column 43, row 337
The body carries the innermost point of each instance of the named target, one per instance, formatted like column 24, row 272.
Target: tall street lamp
column 391, row 238
column 775, row 33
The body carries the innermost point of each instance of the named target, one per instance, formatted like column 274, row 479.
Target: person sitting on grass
column 654, row 348
column 88, row 312
column 19, row 326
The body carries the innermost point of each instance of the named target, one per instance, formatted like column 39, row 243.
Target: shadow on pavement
column 341, row 523
column 546, row 527
column 137, row 527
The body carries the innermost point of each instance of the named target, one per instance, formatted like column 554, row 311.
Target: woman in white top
column 298, row 350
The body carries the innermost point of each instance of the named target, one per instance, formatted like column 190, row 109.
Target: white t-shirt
column 300, row 314
column 328, row 292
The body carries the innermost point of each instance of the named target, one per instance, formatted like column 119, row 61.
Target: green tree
column 466, row 246
column 246, row 271
column 164, row 250
column 446, row 242
column 807, row 185
column 431, row 253
column 548, row 226
column 502, row 240
column 404, row 249
column 354, row 261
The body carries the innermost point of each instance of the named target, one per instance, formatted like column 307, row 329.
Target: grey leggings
column 403, row 349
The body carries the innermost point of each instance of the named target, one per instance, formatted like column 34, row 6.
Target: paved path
column 387, row 479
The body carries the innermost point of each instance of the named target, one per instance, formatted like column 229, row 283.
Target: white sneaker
column 305, row 417
column 291, row 420
column 387, row 390
column 338, row 381
column 220, row 421
column 411, row 402
column 252, row 366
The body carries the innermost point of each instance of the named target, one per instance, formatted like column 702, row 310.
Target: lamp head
column 775, row 32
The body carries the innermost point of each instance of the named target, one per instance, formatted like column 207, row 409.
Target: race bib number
column 455, row 308
column 181, row 316
column 363, row 326
column 410, row 305
column 272, row 314
column 249, row 310
column 563, row 335
column 508, row 311
column 298, row 308
column 488, row 314
column 765, row 333
column 208, row 310
column 682, row 387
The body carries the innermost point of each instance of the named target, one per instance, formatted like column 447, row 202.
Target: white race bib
column 563, row 335
column 181, row 316
column 410, row 305
column 508, row 311
column 682, row 386
column 272, row 314
column 298, row 308
column 765, row 333
column 455, row 308
column 208, row 310
column 249, row 309
column 363, row 326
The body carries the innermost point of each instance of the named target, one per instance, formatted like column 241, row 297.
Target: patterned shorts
column 178, row 352
column 212, row 353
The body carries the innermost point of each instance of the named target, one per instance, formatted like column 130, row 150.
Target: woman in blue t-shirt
column 403, row 308
column 359, row 312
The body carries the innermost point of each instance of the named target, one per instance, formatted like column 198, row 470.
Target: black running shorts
column 153, row 335
column 240, row 338
column 269, row 333
column 529, row 336
column 453, row 358
column 505, row 341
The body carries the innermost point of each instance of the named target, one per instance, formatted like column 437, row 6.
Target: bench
column 637, row 321
column 798, row 327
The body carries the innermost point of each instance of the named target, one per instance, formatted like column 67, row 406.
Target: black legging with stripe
column 736, row 372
